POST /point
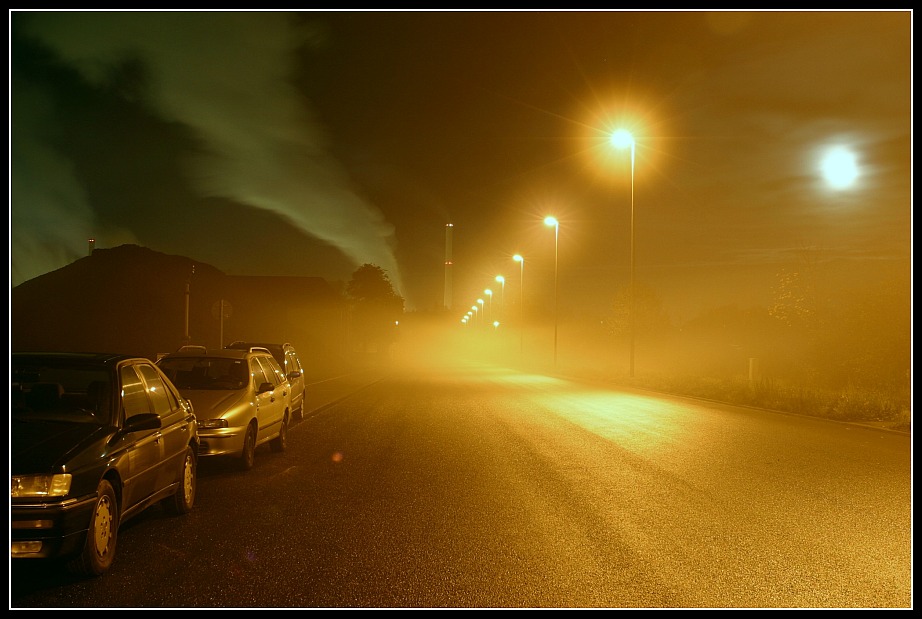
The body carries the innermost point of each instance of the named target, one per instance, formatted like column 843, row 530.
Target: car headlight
column 210, row 424
column 40, row 485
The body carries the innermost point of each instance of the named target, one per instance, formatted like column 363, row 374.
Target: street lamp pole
column 489, row 294
column 550, row 221
column 518, row 258
column 502, row 296
column 622, row 138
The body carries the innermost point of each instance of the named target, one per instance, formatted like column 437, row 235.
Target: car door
column 143, row 448
column 293, row 369
column 270, row 406
column 174, row 430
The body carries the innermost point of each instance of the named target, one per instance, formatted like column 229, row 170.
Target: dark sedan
column 95, row 439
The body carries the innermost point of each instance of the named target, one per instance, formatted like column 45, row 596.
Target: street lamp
column 489, row 293
column 484, row 315
column 502, row 295
column 622, row 138
column 521, row 262
column 550, row 221
column 476, row 313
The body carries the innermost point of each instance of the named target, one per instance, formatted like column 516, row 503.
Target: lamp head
column 622, row 138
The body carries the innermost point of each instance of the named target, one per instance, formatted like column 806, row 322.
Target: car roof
column 226, row 353
column 269, row 345
column 75, row 358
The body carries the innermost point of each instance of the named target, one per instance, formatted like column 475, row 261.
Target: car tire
column 99, row 550
column 280, row 442
column 184, row 498
column 248, row 455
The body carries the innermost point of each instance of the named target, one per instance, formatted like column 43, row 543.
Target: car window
column 218, row 373
column 294, row 364
column 64, row 393
column 134, row 393
column 273, row 370
column 259, row 374
column 157, row 391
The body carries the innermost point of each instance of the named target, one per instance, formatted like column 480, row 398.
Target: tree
column 649, row 314
column 376, row 308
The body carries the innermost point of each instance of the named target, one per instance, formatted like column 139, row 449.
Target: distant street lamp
column 622, row 138
column 489, row 293
column 550, row 221
column 521, row 262
column 480, row 303
column 476, row 313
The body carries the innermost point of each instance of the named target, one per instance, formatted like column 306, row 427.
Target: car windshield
column 209, row 373
column 61, row 393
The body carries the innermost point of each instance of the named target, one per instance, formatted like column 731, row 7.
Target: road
column 480, row 487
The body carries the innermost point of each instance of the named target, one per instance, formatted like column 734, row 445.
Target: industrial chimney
column 448, row 264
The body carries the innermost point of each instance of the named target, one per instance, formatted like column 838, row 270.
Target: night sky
column 309, row 143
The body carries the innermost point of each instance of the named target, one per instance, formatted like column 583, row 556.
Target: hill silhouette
column 133, row 300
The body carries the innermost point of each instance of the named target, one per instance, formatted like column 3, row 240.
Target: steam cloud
column 227, row 76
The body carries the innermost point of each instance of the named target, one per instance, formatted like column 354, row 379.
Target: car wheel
column 99, row 549
column 280, row 442
column 181, row 502
column 248, row 455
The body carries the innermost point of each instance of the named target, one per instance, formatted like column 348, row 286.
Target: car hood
column 38, row 446
column 211, row 404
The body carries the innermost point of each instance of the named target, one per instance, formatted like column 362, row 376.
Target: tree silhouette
column 375, row 308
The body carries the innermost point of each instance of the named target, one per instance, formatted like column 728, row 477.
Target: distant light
column 550, row 221
column 839, row 167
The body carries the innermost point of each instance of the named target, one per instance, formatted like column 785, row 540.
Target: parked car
column 95, row 439
column 241, row 399
column 288, row 358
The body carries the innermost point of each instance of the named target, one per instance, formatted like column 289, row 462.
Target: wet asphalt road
column 484, row 488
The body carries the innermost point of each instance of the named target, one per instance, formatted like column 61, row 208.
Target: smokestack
column 92, row 246
column 448, row 263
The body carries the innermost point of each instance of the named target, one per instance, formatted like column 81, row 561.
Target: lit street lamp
column 521, row 262
column 550, row 221
column 489, row 293
column 484, row 315
column 476, row 313
column 622, row 138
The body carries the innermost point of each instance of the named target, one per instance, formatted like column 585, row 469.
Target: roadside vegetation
column 839, row 354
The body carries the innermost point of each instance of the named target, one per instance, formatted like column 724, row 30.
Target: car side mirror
column 143, row 421
column 294, row 374
column 264, row 387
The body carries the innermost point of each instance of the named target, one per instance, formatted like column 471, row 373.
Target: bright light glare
column 839, row 167
column 622, row 138
column 550, row 221
column 518, row 258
